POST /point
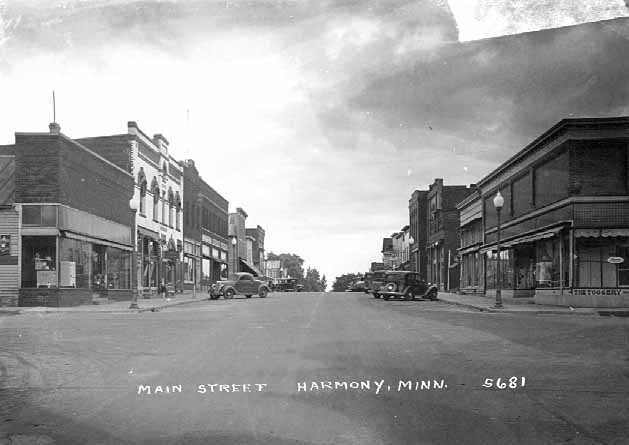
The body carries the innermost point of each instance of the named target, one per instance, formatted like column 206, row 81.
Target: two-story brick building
column 65, row 221
column 565, row 220
column 418, row 219
column 205, row 230
column 472, row 271
column 257, row 235
column 442, row 240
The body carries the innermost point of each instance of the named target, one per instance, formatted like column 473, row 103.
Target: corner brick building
column 66, row 223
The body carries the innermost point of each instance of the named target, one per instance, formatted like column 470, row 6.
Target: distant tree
column 344, row 281
column 324, row 284
column 313, row 282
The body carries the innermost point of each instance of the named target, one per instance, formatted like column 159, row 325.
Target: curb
column 532, row 312
column 109, row 311
column 157, row 308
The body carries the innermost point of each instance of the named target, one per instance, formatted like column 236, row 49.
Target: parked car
column 358, row 286
column 285, row 285
column 407, row 285
column 299, row 288
column 239, row 284
column 376, row 282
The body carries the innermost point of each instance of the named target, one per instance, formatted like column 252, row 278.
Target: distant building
column 418, row 218
column 443, row 233
column 387, row 253
column 257, row 234
column 376, row 266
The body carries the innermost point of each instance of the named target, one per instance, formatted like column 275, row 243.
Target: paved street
column 301, row 368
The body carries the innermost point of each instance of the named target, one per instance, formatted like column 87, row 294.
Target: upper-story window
column 155, row 191
column 178, row 211
column 171, row 207
column 142, row 185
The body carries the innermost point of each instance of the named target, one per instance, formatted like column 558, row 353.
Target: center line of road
column 312, row 313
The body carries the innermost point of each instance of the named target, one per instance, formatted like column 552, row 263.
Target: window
column 156, row 203
column 592, row 267
column 547, row 265
column 118, row 268
column 39, row 261
column 142, row 185
column 99, row 267
column 551, row 180
column 171, row 207
column 74, row 263
column 623, row 268
column 39, row 215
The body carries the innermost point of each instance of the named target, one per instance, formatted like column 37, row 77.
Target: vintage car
column 406, row 285
column 376, row 282
column 285, row 285
column 239, row 284
column 299, row 288
column 358, row 286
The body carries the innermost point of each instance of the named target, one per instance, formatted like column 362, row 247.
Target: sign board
column 615, row 260
column 171, row 255
column 5, row 244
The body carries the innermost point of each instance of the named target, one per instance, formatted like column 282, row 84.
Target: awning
column 473, row 248
column 89, row 239
column 253, row 269
column 523, row 239
column 597, row 233
column 147, row 232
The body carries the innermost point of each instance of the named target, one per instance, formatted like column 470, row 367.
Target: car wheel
column 376, row 295
column 262, row 293
column 248, row 296
column 409, row 295
column 433, row 295
column 229, row 294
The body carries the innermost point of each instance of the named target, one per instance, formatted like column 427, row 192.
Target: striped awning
column 523, row 239
column 598, row 233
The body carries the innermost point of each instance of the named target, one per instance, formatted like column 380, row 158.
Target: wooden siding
column 9, row 273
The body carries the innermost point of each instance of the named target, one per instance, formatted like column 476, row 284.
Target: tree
column 312, row 282
column 344, row 281
column 324, row 284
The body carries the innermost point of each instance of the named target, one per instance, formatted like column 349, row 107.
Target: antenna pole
column 54, row 107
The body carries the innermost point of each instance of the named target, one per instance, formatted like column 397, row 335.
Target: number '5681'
column 511, row 383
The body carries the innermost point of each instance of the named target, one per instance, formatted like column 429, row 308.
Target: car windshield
column 394, row 277
column 378, row 275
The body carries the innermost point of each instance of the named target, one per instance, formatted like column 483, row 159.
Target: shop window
column 74, row 263
column 206, row 269
column 524, row 266
column 39, row 261
column 547, row 263
column 187, row 269
column 506, row 269
column 118, row 268
column 623, row 268
column 99, row 267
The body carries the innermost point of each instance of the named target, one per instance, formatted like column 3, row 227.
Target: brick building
column 443, row 233
column 238, row 232
column 257, row 235
column 565, row 219
column 387, row 253
column 418, row 218
column 205, row 229
column 66, row 222
column 158, row 190
column 472, row 271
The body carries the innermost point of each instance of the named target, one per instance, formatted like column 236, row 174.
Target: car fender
column 225, row 288
column 430, row 288
column 263, row 286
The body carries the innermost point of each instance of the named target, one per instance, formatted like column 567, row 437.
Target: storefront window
column 187, row 269
column 592, row 266
column 118, row 268
column 39, row 261
column 206, row 269
column 506, row 269
column 74, row 263
column 99, row 269
column 547, row 263
column 524, row 266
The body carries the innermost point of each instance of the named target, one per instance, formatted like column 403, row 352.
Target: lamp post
column 498, row 203
column 234, row 243
column 133, row 205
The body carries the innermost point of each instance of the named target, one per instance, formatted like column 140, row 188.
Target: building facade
column 205, row 230
column 443, row 233
column 388, row 254
column 158, row 191
column 66, row 227
column 564, row 225
column 257, row 235
column 418, row 219
column 242, row 246
column 472, row 271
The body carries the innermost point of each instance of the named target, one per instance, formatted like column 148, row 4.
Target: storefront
column 65, row 260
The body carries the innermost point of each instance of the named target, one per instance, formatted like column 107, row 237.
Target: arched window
column 171, row 207
column 142, row 187
column 164, row 197
column 178, row 210
column 155, row 191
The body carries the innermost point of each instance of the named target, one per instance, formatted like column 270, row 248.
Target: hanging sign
column 615, row 260
column 5, row 244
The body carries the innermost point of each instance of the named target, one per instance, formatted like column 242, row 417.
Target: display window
column 598, row 262
column 74, row 263
column 118, row 268
column 39, row 261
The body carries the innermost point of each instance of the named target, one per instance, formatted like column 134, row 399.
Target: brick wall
column 116, row 149
column 599, row 168
column 37, row 164
column 91, row 184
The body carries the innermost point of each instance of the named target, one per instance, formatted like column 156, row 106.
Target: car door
column 242, row 284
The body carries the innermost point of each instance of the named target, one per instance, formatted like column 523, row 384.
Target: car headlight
column 391, row 287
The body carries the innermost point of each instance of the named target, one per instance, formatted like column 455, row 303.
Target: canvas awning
column 523, row 239
column 597, row 233
column 79, row 237
column 252, row 269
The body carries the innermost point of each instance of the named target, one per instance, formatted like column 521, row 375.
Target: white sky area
column 319, row 120
column 482, row 19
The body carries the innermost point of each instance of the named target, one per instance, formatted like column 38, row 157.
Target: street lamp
column 234, row 242
column 133, row 205
column 498, row 203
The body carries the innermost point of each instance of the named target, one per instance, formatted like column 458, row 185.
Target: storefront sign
column 171, row 255
column 596, row 291
column 5, row 244
column 615, row 260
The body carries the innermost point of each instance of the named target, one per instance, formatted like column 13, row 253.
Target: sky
column 318, row 117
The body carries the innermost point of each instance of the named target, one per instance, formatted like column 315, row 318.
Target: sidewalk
column 486, row 304
column 144, row 304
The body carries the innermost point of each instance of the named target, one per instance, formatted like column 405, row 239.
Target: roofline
column 559, row 126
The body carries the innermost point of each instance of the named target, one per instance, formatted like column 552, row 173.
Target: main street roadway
column 321, row 368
